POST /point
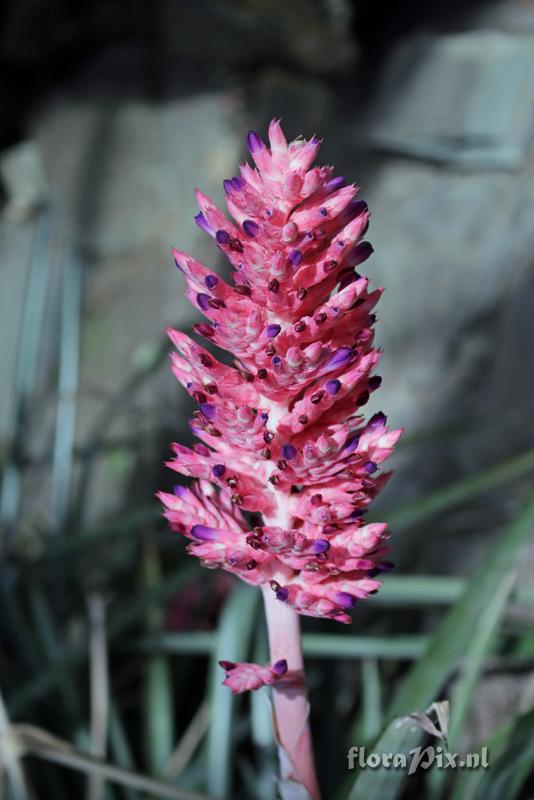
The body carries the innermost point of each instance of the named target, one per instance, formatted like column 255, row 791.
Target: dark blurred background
column 111, row 113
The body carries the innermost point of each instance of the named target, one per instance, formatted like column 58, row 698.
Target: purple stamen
column 251, row 228
column 203, row 301
column 295, row 257
column 254, row 142
column 272, row 331
column 208, row 410
column 289, row 452
column 211, row 281
column 345, row 600
column 370, row 467
column 222, row 237
column 218, row 470
column 332, row 387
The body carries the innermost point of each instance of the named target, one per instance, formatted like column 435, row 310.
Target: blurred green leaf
column 234, row 636
column 511, row 759
column 382, row 783
column 443, row 499
column 371, row 700
column 453, row 636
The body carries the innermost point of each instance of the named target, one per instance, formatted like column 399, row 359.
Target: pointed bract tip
column 254, row 142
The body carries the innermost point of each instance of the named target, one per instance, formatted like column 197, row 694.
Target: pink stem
column 290, row 703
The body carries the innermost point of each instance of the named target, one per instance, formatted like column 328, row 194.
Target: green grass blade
column 422, row 684
column 234, row 635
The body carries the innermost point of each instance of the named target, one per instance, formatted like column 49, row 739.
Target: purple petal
column 222, row 237
column 180, row 491
column 203, row 301
column 205, row 533
column 211, row 281
column 320, row 546
column 289, row 452
column 295, row 257
column 228, row 186
column 218, row 470
column 282, row 593
column 370, row 467
column 203, row 224
column 251, row 228
column 335, row 183
column 333, row 387
column 374, row 382
column 345, row 600
column 208, row 410
column 272, row 331
column 360, row 253
column 352, row 444
column 339, row 359
column 228, row 666
column 377, row 420
column 280, row 667
column 254, row 142
column 238, row 183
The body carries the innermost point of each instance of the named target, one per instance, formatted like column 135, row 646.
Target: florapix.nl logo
column 417, row 758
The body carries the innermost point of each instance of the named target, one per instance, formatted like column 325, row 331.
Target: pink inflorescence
column 282, row 434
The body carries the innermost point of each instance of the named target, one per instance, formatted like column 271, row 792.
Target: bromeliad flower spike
column 281, row 431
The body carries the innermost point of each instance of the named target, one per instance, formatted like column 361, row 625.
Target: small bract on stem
column 281, row 431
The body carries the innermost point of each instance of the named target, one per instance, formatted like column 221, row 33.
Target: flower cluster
column 281, row 430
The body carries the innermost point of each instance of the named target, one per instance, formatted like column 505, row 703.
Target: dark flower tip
column 254, row 142
column 222, row 237
column 346, row 600
column 377, row 420
column 211, row 281
column 227, row 665
column 332, row 387
column 370, row 467
column 282, row 593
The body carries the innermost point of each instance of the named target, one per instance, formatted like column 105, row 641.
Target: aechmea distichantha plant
column 281, row 431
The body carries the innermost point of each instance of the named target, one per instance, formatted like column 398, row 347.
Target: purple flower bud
column 377, row 420
column 222, row 237
column 218, row 470
column 211, row 281
column 254, row 142
column 357, row 207
column 203, row 300
column 339, row 359
column 332, row 387
column 280, row 667
column 205, row 533
column 345, row 600
column 295, row 257
column 374, row 382
column 203, row 224
column 360, row 253
column 208, row 410
column 370, row 467
column 320, row 546
column 228, row 666
column 289, row 452
column 282, row 593
column 238, row 183
column 180, row 491
column 251, row 228
column 228, row 186
column 272, row 331
column 334, row 184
